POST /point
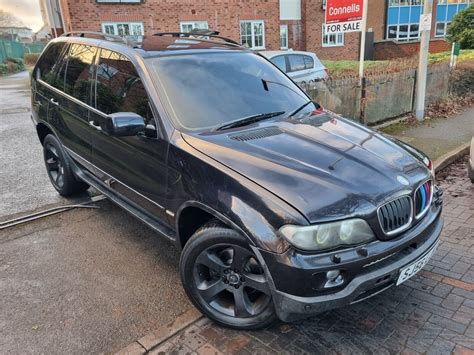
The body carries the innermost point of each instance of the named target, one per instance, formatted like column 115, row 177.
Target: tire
column 218, row 270
column 59, row 169
column 470, row 172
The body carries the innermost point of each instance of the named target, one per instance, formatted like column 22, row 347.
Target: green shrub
column 18, row 61
column 3, row 69
column 461, row 29
column 14, row 64
column 31, row 58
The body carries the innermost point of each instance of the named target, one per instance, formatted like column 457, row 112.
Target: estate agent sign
column 344, row 15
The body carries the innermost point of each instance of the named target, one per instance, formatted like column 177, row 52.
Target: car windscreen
column 207, row 90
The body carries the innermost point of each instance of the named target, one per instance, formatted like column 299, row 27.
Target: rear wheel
column 59, row 170
column 224, row 279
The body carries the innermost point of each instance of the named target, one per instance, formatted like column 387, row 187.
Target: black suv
column 281, row 208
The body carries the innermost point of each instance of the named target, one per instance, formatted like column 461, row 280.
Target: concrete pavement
column 85, row 281
column 437, row 136
column 24, row 183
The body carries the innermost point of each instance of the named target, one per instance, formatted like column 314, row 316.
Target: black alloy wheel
column 225, row 280
column 59, row 170
column 54, row 167
column 230, row 279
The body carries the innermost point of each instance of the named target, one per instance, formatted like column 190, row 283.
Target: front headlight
column 328, row 235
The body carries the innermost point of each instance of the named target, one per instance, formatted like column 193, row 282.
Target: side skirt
column 125, row 204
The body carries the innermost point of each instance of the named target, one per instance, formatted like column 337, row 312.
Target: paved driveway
column 433, row 312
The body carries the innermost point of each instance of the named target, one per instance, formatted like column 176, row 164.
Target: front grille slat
column 423, row 198
column 395, row 215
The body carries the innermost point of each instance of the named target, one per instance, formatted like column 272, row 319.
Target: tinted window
column 209, row 89
column 308, row 62
column 49, row 67
column 280, row 62
column 296, row 62
column 78, row 71
column 119, row 88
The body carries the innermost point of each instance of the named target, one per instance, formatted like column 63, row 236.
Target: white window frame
column 130, row 24
column 252, row 23
column 193, row 24
column 286, row 35
column 403, row 39
column 446, row 24
column 337, row 34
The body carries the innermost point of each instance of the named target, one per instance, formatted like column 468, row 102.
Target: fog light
column 334, row 279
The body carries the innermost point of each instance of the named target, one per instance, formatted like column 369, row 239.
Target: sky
column 28, row 11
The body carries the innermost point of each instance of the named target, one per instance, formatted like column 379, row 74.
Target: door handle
column 93, row 124
column 54, row 102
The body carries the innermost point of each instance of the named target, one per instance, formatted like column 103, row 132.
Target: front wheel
column 224, row 279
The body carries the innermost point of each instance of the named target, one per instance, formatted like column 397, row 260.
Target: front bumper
column 296, row 278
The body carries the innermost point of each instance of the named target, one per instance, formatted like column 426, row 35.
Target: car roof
column 166, row 45
column 271, row 54
column 153, row 46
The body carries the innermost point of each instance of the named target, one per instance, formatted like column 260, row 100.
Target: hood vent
column 257, row 134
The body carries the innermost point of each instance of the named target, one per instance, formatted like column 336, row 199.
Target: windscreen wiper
column 248, row 120
column 299, row 109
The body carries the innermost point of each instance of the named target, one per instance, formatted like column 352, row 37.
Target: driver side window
column 119, row 87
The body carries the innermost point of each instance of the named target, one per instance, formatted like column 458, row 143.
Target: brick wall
column 376, row 14
column 159, row 15
column 314, row 20
column 390, row 50
column 296, row 38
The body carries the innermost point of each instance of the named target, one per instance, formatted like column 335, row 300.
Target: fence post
column 363, row 98
column 413, row 100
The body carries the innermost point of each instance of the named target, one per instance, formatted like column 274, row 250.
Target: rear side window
column 78, row 69
column 119, row 88
column 297, row 62
column 280, row 62
column 48, row 67
column 308, row 62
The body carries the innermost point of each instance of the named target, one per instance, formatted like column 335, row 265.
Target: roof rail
column 105, row 36
column 198, row 33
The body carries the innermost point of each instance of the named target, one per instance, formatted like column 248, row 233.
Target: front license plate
column 413, row 268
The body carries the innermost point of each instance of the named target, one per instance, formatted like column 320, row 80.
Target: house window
column 441, row 29
column 252, row 34
column 332, row 39
column 188, row 26
column 403, row 32
column 131, row 30
column 284, row 37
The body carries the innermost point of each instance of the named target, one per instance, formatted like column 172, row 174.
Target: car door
column 134, row 166
column 69, row 104
column 46, row 67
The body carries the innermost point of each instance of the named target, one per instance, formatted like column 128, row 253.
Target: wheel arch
column 192, row 215
column 43, row 130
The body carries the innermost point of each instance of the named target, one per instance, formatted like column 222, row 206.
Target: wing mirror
column 121, row 124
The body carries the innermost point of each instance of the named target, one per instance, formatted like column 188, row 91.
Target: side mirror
column 121, row 124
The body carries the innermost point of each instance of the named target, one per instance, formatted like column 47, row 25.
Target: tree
column 461, row 30
column 8, row 20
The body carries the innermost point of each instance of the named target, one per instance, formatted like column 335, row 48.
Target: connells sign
column 344, row 15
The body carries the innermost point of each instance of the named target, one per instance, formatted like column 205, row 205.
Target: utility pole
column 425, row 29
column 362, row 42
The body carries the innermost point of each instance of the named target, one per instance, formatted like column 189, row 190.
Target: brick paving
column 431, row 313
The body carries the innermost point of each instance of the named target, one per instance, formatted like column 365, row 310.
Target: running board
column 88, row 178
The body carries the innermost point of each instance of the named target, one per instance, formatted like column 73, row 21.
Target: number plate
column 413, row 268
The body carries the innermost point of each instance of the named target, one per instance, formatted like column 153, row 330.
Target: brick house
column 265, row 24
